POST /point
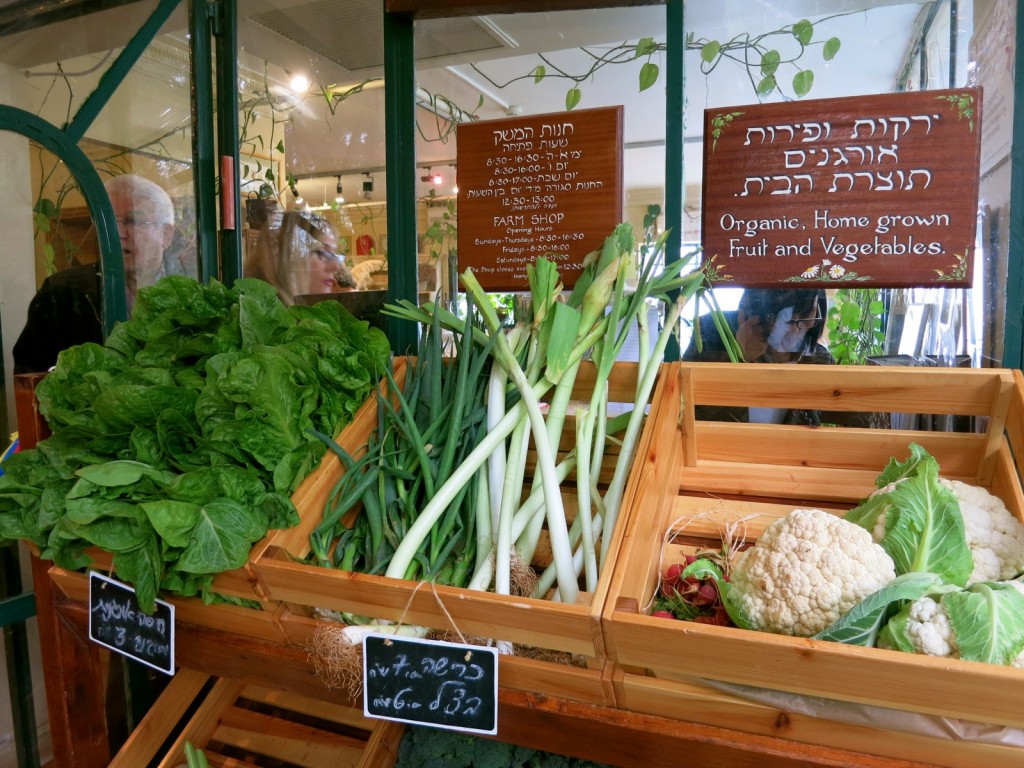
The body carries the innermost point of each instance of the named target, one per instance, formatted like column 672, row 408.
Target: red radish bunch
column 689, row 590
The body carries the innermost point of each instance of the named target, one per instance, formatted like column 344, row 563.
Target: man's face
column 143, row 239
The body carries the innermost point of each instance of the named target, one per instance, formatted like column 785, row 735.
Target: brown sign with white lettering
column 873, row 190
column 544, row 185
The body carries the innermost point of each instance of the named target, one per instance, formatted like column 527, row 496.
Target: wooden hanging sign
column 868, row 190
column 544, row 185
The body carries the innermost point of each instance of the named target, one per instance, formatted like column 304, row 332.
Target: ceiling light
column 299, row 84
column 340, row 197
column 367, row 187
column 437, row 179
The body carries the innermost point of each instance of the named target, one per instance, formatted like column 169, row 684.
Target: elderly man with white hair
column 66, row 309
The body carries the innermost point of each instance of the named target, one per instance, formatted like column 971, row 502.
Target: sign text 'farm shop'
column 544, row 185
column 873, row 190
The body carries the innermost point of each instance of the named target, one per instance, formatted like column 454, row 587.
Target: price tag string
column 440, row 602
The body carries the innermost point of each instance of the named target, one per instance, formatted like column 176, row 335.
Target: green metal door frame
column 1013, row 323
column 400, row 170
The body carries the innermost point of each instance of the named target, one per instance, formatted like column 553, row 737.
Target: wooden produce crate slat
column 950, row 391
column 249, row 622
column 590, row 684
column 704, row 484
column 703, row 704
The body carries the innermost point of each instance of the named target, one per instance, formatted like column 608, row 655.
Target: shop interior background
column 312, row 112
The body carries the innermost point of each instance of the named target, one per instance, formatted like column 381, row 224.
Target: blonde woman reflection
column 298, row 257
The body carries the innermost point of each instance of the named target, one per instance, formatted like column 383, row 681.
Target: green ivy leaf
column 280, row 146
column 766, row 86
column 802, row 82
column 572, row 98
column 849, row 314
column 803, row 31
column 645, row 47
column 770, row 63
column 47, row 207
column 831, row 48
column 42, row 222
column 538, row 74
column 710, row 51
column 648, row 75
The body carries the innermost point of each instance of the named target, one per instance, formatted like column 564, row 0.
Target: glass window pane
column 50, row 67
column 522, row 65
column 878, row 48
column 312, row 147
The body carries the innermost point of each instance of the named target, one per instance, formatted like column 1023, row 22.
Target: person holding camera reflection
column 771, row 326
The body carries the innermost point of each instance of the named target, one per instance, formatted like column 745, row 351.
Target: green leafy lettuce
column 178, row 442
column 923, row 527
column 987, row 621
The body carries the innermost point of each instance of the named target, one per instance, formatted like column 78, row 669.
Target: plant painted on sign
column 718, row 125
column 959, row 270
column 964, row 105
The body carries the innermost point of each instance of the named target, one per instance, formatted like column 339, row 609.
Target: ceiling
column 481, row 66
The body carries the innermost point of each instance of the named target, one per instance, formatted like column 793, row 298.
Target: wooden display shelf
column 560, row 710
column 598, row 733
column 754, row 473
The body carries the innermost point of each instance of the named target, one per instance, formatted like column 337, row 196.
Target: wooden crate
column 697, row 475
column 573, row 629
column 236, row 723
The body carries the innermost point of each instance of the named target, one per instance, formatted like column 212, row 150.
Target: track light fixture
column 340, row 198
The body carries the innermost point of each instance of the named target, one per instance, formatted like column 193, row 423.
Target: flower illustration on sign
column 826, row 270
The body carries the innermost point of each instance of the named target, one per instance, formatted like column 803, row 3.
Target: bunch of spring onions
column 443, row 485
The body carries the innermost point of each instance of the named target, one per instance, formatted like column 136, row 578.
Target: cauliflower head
column 994, row 536
column 929, row 630
column 806, row 570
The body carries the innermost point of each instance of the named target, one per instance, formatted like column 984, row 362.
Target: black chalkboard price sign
column 427, row 682
column 116, row 622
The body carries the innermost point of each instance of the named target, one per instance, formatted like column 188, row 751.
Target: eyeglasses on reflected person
column 328, row 257
column 806, row 323
column 133, row 221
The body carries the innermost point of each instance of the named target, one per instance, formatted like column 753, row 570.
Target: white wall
column 17, row 286
column 17, row 270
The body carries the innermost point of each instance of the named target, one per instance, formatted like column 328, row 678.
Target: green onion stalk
column 444, row 483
